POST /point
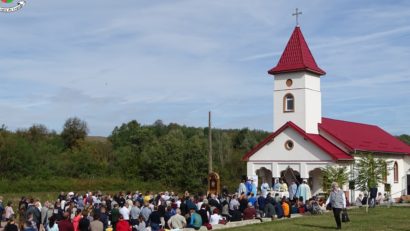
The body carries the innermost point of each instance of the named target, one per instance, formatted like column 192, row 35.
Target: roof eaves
column 336, row 138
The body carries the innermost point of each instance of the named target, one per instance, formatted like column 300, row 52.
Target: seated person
column 215, row 217
column 301, row 206
column 195, row 220
column 235, row 214
column 322, row 204
column 285, row 207
column 359, row 200
column 249, row 213
column 379, row 198
column 364, row 200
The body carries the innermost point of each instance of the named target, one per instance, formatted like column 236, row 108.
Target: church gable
column 290, row 146
column 291, row 143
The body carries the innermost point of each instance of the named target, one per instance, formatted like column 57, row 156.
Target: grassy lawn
column 380, row 218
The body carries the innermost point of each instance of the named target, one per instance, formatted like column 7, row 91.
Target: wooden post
column 210, row 144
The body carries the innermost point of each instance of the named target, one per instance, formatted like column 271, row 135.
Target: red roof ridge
column 296, row 56
column 363, row 137
column 350, row 122
column 311, row 137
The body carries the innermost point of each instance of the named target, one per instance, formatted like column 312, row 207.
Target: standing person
column 125, row 212
column 304, row 191
column 154, row 219
column 44, row 214
column 292, row 190
column 76, row 219
column 242, row 187
column 135, row 213
column 337, row 200
column 373, row 195
column 264, row 188
column 104, row 217
column 9, row 211
column 33, row 208
column 115, row 215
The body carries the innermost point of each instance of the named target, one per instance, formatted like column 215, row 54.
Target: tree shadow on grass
column 317, row 226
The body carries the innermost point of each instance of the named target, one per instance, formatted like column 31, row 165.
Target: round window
column 289, row 145
column 289, row 82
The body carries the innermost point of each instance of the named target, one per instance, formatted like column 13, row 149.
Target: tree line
column 157, row 155
column 170, row 155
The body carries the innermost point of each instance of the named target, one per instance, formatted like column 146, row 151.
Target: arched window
column 396, row 172
column 288, row 103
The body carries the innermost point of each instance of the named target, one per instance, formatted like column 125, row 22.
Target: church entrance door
column 264, row 174
column 290, row 175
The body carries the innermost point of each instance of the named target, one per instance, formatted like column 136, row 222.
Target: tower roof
column 296, row 57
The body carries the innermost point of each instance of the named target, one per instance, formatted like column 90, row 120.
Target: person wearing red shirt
column 123, row 225
column 65, row 224
column 249, row 213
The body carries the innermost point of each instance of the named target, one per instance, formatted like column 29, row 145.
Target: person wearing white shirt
column 125, row 212
column 264, row 188
column 215, row 217
column 337, row 200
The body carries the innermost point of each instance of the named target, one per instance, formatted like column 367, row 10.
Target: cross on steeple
column 297, row 13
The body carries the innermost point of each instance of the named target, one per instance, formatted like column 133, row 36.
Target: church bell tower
column 297, row 96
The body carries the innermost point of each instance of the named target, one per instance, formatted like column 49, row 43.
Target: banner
column 19, row 5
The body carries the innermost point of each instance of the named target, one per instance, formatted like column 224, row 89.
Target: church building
column 303, row 141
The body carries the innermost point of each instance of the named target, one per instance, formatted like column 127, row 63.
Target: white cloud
column 176, row 60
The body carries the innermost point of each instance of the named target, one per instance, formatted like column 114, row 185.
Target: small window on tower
column 288, row 103
column 289, row 82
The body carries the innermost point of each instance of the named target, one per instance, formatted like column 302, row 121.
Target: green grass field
column 380, row 218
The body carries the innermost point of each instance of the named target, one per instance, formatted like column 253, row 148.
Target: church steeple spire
column 296, row 57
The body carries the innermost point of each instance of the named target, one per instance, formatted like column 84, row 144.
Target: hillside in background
column 134, row 155
column 157, row 157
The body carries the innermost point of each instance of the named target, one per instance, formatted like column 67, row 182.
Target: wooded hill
column 134, row 156
column 156, row 156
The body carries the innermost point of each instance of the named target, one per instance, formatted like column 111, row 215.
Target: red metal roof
column 363, row 137
column 319, row 141
column 296, row 57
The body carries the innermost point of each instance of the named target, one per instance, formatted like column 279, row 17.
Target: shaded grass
column 380, row 218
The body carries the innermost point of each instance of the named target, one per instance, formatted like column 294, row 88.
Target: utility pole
column 210, row 143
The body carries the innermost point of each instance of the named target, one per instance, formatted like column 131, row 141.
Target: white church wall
column 303, row 157
column 303, row 150
column 298, row 116
column 313, row 111
column 306, row 91
column 397, row 188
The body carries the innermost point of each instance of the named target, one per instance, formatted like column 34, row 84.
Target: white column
column 275, row 170
column 304, row 174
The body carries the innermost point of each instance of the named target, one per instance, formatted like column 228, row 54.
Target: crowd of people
column 136, row 211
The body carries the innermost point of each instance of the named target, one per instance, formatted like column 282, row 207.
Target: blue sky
column 109, row 62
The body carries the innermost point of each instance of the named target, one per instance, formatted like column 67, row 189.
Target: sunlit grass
column 380, row 218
